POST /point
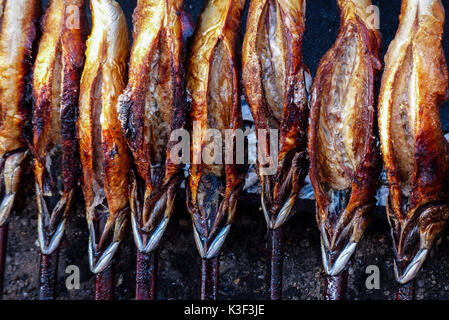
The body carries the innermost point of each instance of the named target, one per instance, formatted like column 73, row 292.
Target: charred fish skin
column 152, row 106
column 104, row 158
column 415, row 153
column 212, row 82
column 18, row 35
column 275, row 80
column 342, row 145
column 56, row 86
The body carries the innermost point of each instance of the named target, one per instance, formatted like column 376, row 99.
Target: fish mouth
column 10, row 169
column 154, row 240
column 414, row 240
column 274, row 222
column 148, row 239
column 410, row 271
column 334, row 263
column 213, row 250
column 102, row 252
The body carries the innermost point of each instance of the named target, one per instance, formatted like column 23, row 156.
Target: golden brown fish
column 415, row 153
column 104, row 157
column 56, row 85
column 152, row 106
column 17, row 40
column 343, row 150
column 275, row 80
column 213, row 83
column 275, row 85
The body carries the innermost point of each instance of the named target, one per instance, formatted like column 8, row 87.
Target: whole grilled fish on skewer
column 275, row 82
column 56, row 84
column 17, row 43
column 214, row 184
column 415, row 153
column 344, row 164
column 152, row 106
column 104, row 157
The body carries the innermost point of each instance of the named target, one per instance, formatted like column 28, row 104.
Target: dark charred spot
column 113, row 152
column 126, row 116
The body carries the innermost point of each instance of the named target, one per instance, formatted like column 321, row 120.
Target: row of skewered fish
column 120, row 119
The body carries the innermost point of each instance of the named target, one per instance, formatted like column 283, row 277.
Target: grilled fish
column 56, row 85
column 151, row 108
column 104, row 158
column 275, row 80
column 213, row 83
column 415, row 153
column 17, row 43
column 343, row 150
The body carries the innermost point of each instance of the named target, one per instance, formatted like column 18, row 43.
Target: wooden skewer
column 48, row 276
column 146, row 275
column 405, row 291
column 335, row 286
column 275, row 247
column 3, row 246
column 209, row 279
column 105, row 284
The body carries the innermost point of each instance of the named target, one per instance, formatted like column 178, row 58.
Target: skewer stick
column 48, row 274
column 146, row 275
column 335, row 286
column 105, row 284
column 209, row 279
column 3, row 246
column 405, row 291
column 276, row 254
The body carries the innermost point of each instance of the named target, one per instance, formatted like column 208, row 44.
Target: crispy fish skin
column 212, row 81
column 274, row 78
column 17, row 43
column 56, row 86
column 104, row 158
column 415, row 153
column 344, row 161
column 152, row 106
